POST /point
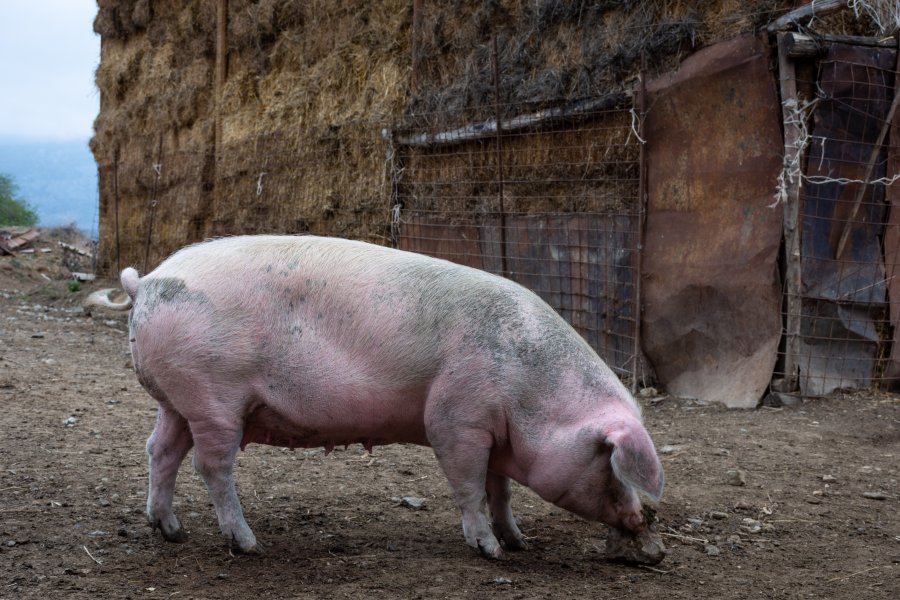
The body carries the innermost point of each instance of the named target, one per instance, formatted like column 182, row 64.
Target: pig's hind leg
column 216, row 440
column 498, row 493
column 166, row 448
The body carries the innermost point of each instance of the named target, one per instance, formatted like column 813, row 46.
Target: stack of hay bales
column 291, row 141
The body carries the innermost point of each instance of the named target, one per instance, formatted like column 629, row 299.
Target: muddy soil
column 798, row 502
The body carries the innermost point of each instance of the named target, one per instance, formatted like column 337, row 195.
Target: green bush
column 14, row 210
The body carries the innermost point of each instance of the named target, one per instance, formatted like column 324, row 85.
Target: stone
column 736, row 477
column 875, row 495
column 411, row 502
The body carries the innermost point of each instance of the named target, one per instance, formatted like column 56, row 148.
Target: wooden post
column 417, row 7
column 221, row 65
column 792, row 177
column 154, row 200
column 641, row 221
column 116, row 206
column 496, row 68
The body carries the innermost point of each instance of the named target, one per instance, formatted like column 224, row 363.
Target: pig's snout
column 640, row 543
column 642, row 548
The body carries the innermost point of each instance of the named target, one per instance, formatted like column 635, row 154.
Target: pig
column 305, row 341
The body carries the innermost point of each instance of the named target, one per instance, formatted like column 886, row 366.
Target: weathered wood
column 859, row 40
column 801, row 45
column 815, row 8
column 221, row 64
column 641, row 107
column 486, row 129
column 116, row 207
column 792, row 176
column 798, row 45
column 417, row 9
column 499, row 139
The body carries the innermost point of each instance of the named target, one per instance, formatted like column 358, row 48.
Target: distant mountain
column 58, row 178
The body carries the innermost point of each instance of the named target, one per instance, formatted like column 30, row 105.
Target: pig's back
column 372, row 303
column 332, row 274
column 360, row 304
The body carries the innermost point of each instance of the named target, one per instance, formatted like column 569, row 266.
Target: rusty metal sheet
column 712, row 320
column 844, row 295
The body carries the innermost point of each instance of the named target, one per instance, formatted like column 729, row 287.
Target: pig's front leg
column 166, row 448
column 498, row 492
column 216, row 444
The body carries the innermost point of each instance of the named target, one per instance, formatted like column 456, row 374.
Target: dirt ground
column 798, row 502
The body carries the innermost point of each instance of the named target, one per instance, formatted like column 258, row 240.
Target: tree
column 14, row 210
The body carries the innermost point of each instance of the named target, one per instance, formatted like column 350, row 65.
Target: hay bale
column 310, row 85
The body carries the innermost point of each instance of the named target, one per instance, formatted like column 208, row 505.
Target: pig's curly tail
column 130, row 281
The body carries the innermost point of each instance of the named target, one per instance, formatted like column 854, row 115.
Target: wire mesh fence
column 555, row 208
column 552, row 196
column 848, row 250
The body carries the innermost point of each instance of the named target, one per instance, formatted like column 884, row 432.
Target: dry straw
column 311, row 85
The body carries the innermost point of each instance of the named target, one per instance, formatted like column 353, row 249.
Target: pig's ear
column 634, row 459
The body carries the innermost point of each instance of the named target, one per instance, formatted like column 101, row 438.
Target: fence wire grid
column 555, row 200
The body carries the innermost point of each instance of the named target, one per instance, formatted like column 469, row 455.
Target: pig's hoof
column 171, row 533
column 178, row 536
column 514, row 544
column 490, row 549
column 254, row 549
column 644, row 548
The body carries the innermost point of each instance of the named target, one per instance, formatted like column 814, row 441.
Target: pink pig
column 307, row 341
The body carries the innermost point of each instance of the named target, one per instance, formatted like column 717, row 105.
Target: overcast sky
column 48, row 55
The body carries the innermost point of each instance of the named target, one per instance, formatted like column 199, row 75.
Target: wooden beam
column 486, row 129
column 816, row 8
column 800, row 45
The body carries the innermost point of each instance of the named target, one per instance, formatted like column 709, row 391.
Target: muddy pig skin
column 302, row 341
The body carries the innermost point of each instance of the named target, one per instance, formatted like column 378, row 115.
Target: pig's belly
column 335, row 423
